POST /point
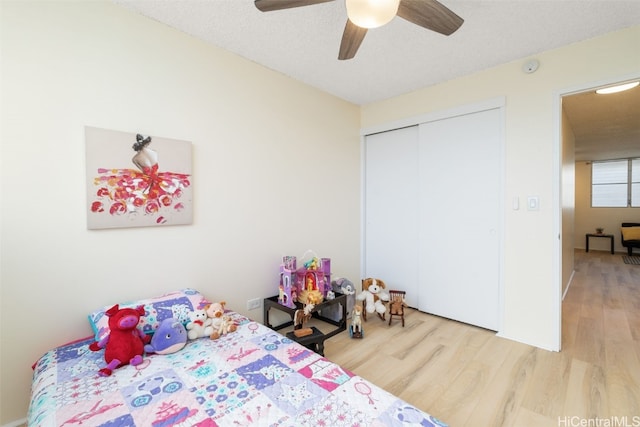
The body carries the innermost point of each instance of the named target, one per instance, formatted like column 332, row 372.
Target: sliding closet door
column 460, row 217
column 391, row 209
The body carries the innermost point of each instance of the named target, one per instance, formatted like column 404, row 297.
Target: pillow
column 176, row 304
column 631, row 233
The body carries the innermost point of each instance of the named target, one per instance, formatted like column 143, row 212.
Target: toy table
column 316, row 340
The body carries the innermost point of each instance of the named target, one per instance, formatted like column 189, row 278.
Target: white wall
column 262, row 147
column 532, row 279
column 275, row 172
column 588, row 218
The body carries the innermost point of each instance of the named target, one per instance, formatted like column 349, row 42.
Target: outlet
column 254, row 304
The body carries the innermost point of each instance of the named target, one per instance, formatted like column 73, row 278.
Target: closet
column 433, row 219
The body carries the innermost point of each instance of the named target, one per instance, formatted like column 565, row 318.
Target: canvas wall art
column 136, row 180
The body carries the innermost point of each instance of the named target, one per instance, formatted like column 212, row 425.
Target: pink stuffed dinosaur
column 125, row 342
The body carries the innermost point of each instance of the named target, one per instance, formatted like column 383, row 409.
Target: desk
column 316, row 340
column 609, row 236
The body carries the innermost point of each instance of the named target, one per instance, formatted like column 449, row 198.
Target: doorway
column 591, row 127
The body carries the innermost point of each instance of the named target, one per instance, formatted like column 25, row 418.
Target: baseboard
column 17, row 423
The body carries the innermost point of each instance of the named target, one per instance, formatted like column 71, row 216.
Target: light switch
column 533, row 203
column 516, row 203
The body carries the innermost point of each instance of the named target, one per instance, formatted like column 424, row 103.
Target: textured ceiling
column 399, row 57
column 605, row 126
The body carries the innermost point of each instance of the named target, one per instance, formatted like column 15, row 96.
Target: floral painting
column 136, row 180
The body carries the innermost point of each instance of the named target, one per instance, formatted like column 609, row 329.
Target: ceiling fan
column 365, row 14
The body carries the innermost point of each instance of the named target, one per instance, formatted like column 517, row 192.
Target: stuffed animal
column 220, row 325
column 397, row 305
column 344, row 286
column 171, row 336
column 199, row 325
column 373, row 294
column 225, row 326
column 215, row 310
column 125, row 342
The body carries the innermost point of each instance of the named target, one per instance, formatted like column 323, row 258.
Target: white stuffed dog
column 373, row 294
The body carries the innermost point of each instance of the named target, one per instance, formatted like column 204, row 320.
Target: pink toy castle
column 308, row 284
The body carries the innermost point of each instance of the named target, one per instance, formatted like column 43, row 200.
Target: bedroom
column 74, row 65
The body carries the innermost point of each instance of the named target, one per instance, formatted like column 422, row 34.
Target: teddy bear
column 199, row 325
column 125, row 342
column 220, row 325
column 397, row 304
column 225, row 326
column 373, row 294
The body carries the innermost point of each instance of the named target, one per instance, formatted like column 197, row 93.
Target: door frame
column 556, row 293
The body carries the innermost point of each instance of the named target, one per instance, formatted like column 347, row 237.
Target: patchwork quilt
column 251, row 377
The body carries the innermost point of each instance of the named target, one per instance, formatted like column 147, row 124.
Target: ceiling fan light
column 371, row 13
column 616, row 89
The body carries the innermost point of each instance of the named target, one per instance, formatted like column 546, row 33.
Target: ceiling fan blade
column 351, row 39
column 431, row 15
column 269, row 5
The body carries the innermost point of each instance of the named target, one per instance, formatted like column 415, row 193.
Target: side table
column 315, row 341
column 609, row 236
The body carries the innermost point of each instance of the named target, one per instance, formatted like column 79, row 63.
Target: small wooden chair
column 397, row 305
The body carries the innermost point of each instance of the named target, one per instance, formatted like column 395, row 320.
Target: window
column 635, row 183
column 615, row 183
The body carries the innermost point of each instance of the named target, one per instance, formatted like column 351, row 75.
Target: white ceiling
column 399, row 57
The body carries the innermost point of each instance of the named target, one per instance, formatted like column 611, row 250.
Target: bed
column 252, row 376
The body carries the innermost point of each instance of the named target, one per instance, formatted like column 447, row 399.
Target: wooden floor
column 466, row 376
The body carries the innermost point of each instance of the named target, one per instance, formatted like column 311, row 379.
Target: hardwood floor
column 467, row 376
